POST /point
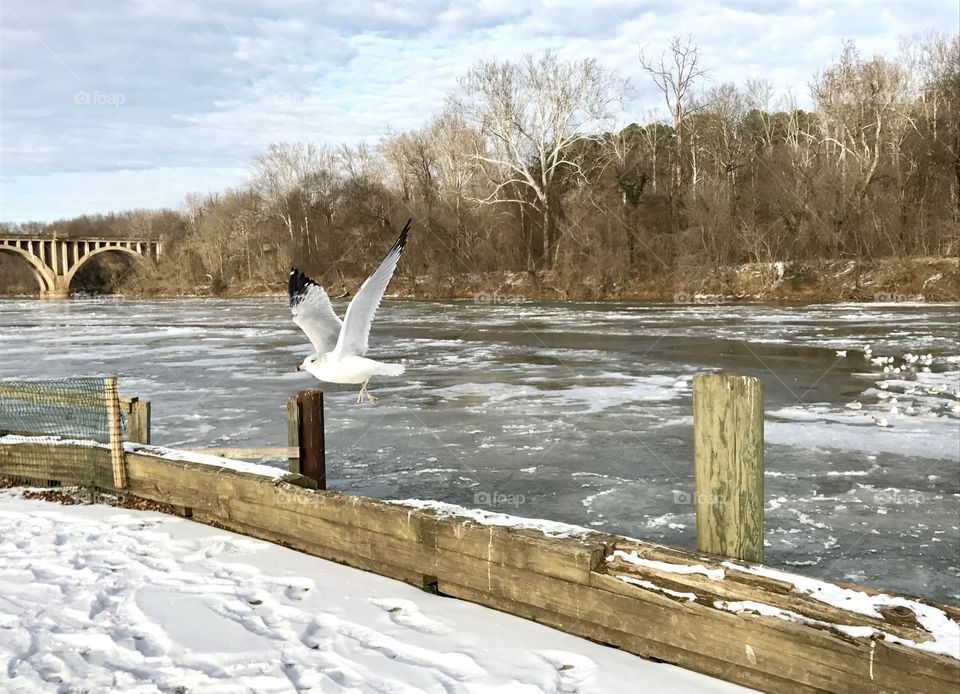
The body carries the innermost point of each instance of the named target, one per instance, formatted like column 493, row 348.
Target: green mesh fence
column 38, row 417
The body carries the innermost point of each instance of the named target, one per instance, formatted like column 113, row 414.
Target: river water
column 577, row 412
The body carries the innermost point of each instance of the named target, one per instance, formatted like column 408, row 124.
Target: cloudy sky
column 134, row 103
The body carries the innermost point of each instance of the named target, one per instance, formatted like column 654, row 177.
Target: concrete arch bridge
column 56, row 261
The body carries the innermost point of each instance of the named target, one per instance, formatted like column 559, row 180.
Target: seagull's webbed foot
column 372, row 398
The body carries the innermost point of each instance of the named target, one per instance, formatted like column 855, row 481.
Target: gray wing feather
column 359, row 317
column 313, row 312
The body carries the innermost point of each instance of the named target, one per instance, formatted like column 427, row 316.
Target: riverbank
column 886, row 281
column 919, row 279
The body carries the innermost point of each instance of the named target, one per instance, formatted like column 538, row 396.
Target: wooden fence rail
column 724, row 619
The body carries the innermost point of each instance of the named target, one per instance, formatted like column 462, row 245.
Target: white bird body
column 341, row 346
column 349, row 369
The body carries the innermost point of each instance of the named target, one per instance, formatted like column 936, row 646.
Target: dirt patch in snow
column 71, row 496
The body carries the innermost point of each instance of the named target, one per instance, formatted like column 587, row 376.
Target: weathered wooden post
column 138, row 424
column 728, row 465
column 310, row 435
column 293, row 433
column 138, row 418
column 112, row 404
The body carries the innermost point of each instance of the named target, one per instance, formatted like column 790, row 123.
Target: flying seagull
column 341, row 346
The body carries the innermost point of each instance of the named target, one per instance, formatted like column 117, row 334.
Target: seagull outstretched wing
column 313, row 312
column 360, row 312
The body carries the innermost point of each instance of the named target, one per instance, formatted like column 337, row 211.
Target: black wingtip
column 402, row 239
column 297, row 285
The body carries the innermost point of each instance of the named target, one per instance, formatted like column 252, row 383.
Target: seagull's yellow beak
column 299, row 367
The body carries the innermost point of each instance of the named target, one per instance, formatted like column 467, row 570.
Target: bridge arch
column 56, row 261
column 68, row 278
column 44, row 275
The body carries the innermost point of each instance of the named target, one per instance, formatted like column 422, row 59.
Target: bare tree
column 292, row 180
column 675, row 72
column 863, row 107
column 939, row 67
column 718, row 131
column 531, row 116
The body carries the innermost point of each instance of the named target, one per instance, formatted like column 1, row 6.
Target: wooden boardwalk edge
column 574, row 584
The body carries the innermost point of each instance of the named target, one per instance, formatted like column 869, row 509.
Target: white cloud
column 151, row 100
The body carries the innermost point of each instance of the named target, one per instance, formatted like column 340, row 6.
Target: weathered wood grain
column 293, row 434
column 112, row 400
column 728, row 465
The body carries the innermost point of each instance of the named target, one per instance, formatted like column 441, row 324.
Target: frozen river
column 575, row 412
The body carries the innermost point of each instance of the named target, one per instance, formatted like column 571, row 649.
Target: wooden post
column 138, row 422
column 313, row 463
column 138, row 418
column 293, row 433
column 113, row 429
column 728, row 465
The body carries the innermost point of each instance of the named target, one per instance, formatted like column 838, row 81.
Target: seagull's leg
column 365, row 391
column 363, row 388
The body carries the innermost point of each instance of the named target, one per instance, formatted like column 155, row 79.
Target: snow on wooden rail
column 750, row 624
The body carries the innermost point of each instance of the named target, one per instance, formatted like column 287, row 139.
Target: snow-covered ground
column 98, row 599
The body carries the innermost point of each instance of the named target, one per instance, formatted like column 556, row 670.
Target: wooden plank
column 293, row 434
column 178, row 483
column 378, row 566
column 27, row 392
column 739, row 586
column 248, row 453
column 113, row 429
column 63, row 464
column 728, row 465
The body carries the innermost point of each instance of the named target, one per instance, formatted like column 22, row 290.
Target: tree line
column 523, row 171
